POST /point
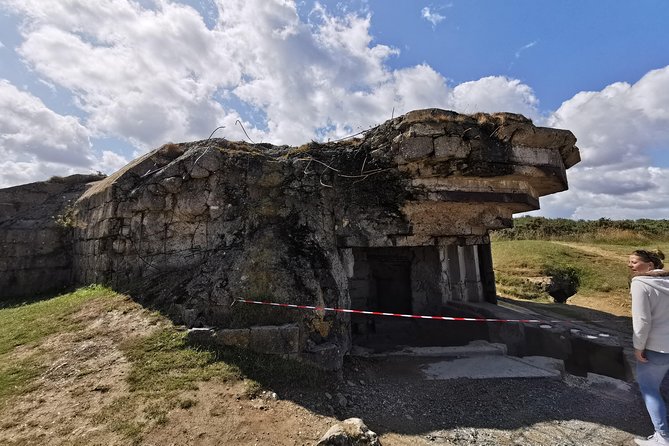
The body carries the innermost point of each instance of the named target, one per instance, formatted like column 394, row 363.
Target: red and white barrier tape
column 379, row 313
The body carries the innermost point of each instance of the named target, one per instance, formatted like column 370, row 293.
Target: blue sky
column 87, row 86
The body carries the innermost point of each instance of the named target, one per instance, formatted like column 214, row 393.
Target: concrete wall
column 36, row 236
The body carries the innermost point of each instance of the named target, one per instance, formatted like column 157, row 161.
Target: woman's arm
column 641, row 316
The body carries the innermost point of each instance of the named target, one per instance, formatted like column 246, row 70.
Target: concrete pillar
column 487, row 273
column 445, row 279
column 462, row 270
column 478, row 286
column 470, row 276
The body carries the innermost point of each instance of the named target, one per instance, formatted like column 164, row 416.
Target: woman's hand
column 638, row 354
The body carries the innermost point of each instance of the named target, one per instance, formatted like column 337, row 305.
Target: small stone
column 341, row 400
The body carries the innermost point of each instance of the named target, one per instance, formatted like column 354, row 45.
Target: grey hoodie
column 650, row 311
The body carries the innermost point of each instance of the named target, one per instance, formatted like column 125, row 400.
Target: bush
column 565, row 283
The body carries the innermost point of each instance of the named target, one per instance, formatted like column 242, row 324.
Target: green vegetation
column 594, row 253
column 26, row 326
column 517, row 260
column 621, row 232
column 164, row 368
column 163, row 362
column 30, row 323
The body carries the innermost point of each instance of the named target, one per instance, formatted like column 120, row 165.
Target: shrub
column 565, row 283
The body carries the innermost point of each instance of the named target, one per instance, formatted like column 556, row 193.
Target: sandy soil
column 86, row 379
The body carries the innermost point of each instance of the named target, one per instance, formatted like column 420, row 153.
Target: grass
column 516, row 260
column 27, row 325
column 164, row 362
column 30, row 323
column 164, row 367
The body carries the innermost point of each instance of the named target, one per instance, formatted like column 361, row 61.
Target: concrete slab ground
column 474, row 348
column 476, row 360
column 488, row 367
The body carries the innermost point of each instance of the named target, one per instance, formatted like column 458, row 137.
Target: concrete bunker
column 396, row 219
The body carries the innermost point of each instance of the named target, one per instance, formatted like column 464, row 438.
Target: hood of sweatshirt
column 658, row 279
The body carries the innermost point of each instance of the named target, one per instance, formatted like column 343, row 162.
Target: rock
column 341, row 400
column 202, row 336
column 350, row 432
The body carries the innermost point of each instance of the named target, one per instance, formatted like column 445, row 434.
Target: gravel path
column 395, row 401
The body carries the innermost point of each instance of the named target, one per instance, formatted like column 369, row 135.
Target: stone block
column 149, row 202
column 191, row 202
column 234, row 337
column 209, row 159
column 202, row 336
column 119, row 246
column 450, row 147
column 416, row 148
column 426, row 129
column 171, row 184
column 283, row 340
column 198, row 171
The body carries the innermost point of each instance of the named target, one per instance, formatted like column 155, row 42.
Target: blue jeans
column 649, row 375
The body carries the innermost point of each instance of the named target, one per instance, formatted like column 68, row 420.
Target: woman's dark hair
column 656, row 256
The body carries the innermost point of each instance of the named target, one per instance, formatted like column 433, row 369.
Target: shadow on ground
column 392, row 396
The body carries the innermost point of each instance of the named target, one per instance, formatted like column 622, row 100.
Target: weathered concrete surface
column 35, row 238
column 491, row 367
column 191, row 227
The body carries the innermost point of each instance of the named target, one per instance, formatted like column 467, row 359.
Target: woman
column 650, row 323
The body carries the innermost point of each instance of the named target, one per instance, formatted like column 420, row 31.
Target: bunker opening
column 418, row 280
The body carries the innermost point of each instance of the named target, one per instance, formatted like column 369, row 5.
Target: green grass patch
column 18, row 378
column 28, row 325
column 516, row 260
column 164, row 362
column 163, row 365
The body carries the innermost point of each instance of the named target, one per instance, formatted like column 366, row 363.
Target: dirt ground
column 87, row 379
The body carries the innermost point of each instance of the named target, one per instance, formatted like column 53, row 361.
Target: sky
column 87, row 86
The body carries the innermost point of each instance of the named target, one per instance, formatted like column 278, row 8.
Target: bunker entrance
column 406, row 280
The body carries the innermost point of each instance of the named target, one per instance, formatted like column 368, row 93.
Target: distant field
column 602, row 231
column 595, row 251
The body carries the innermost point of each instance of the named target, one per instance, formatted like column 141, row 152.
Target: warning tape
column 380, row 313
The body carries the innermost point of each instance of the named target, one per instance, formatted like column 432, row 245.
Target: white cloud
column 433, row 17
column 640, row 192
column 322, row 77
column 110, row 162
column 495, row 94
column 29, row 129
column 616, row 129
column 620, row 123
column 142, row 74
